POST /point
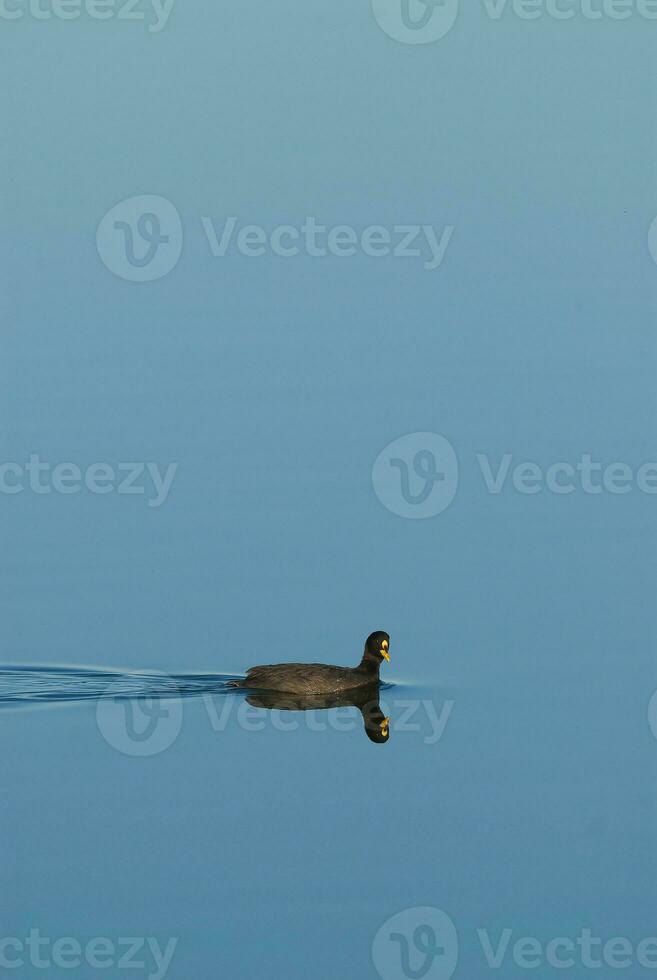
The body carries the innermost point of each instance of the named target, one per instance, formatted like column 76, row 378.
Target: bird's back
column 302, row 678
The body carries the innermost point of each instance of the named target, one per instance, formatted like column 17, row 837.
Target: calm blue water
column 516, row 791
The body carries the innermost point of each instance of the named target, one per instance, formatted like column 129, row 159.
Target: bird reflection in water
column 377, row 726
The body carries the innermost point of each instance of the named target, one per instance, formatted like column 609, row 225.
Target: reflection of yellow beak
column 384, row 726
column 384, row 651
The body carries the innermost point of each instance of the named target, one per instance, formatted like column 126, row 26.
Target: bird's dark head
column 377, row 647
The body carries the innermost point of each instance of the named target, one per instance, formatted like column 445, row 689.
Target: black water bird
column 312, row 679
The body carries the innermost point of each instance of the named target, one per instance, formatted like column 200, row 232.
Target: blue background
column 275, row 383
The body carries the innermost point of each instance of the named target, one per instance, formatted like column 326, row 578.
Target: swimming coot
column 321, row 678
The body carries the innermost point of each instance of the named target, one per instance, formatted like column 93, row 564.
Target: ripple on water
column 33, row 685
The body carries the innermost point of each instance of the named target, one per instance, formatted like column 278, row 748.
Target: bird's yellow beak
column 384, row 651
column 384, row 726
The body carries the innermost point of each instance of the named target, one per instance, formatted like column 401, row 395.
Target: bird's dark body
column 363, row 697
column 306, row 678
column 309, row 679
